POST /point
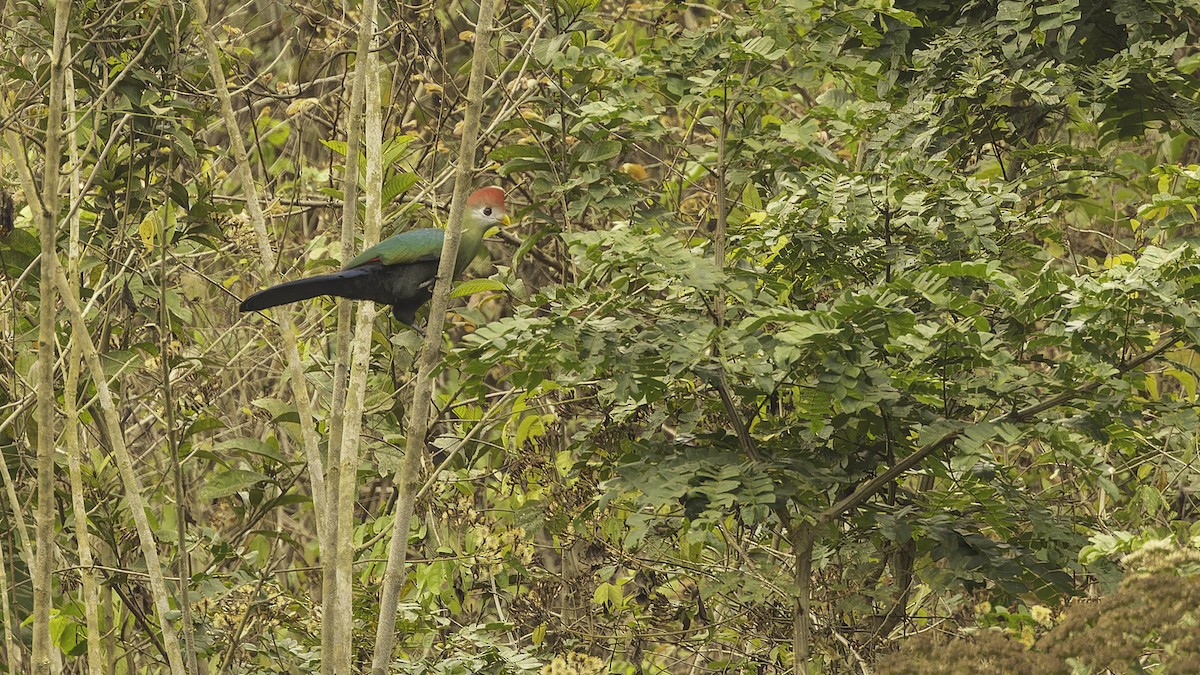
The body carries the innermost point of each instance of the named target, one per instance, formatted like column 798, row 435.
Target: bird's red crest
column 488, row 196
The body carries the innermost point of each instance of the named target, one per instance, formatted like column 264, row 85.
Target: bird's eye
column 487, row 211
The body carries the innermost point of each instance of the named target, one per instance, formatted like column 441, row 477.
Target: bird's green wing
column 400, row 249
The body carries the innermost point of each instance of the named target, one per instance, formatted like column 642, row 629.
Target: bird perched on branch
column 398, row 271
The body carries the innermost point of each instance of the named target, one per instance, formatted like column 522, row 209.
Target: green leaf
column 474, row 286
column 337, row 146
column 394, row 148
column 507, row 152
column 67, row 633
column 598, row 151
column 229, row 482
column 246, row 447
column 763, row 46
column 279, row 410
column 601, row 594
column 121, row 361
column 184, row 143
column 398, row 185
column 202, row 424
column 751, row 199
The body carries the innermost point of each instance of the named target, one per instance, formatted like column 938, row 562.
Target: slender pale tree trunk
column 23, row 547
column 83, row 542
column 408, row 479
column 287, row 331
column 337, row 631
column 11, row 655
column 43, row 573
column 71, row 432
column 356, row 390
column 323, row 498
column 109, row 617
column 129, row 476
column 164, row 357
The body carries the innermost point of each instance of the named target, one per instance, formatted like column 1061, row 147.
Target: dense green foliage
column 767, row 252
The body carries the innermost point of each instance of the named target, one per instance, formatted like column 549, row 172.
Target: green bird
column 398, row 271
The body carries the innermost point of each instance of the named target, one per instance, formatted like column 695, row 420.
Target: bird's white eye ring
column 487, row 211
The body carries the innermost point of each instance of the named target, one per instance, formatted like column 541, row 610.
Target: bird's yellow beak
column 506, row 221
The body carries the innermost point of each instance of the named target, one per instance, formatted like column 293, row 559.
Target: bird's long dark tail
column 345, row 284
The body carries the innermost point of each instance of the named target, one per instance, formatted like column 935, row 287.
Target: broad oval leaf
column 477, row 286
column 230, row 482
column 599, row 151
